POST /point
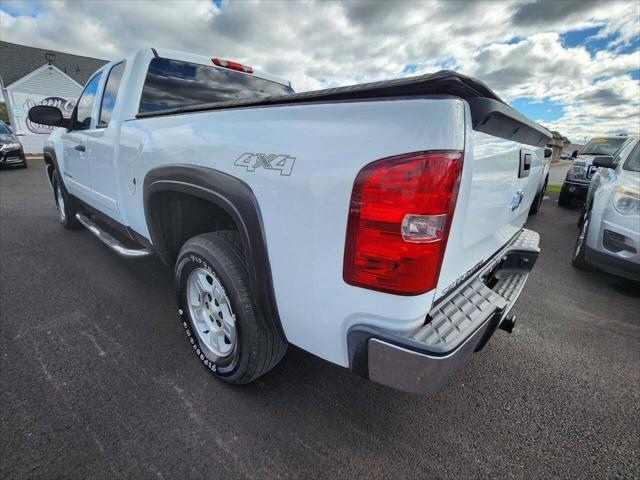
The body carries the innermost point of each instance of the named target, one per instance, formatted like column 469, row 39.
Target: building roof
column 16, row 61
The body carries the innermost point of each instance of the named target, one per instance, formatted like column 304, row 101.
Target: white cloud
column 515, row 47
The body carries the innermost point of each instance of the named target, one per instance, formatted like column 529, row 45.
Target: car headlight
column 579, row 172
column 9, row 146
column 626, row 200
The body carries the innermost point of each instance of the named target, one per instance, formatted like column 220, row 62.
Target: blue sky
column 548, row 111
column 572, row 65
column 544, row 110
column 585, row 38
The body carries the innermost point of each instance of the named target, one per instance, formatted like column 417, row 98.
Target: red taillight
column 399, row 218
column 232, row 65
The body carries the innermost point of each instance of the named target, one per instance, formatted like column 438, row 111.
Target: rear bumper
column 459, row 324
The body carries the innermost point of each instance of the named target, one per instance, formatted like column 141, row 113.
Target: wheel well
column 50, row 167
column 180, row 216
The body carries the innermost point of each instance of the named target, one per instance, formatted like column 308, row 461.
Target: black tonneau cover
column 489, row 113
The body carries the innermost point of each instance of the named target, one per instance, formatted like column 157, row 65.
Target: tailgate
column 499, row 180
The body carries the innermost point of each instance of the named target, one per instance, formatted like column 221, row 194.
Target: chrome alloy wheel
column 210, row 311
column 60, row 204
column 581, row 237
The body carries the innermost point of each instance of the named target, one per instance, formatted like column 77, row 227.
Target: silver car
column 609, row 237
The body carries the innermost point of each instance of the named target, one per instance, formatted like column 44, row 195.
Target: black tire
column 564, row 200
column 67, row 211
column 259, row 345
column 579, row 259
column 24, row 163
column 583, row 214
column 537, row 200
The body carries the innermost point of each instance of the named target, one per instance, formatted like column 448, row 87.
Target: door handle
column 80, row 148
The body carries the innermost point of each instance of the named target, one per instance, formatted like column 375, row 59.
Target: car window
column 623, row 152
column 603, row 146
column 4, row 130
column 110, row 94
column 85, row 104
column 174, row 84
column 633, row 162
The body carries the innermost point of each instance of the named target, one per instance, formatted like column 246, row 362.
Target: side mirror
column 604, row 161
column 18, row 134
column 574, row 154
column 47, row 115
column 547, row 153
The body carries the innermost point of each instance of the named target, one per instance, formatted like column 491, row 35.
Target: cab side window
column 623, row 152
column 85, row 104
column 110, row 94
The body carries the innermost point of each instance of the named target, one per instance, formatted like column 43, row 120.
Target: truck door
column 102, row 145
column 75, row 169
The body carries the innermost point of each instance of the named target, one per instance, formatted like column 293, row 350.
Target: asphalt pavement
column 97, row 379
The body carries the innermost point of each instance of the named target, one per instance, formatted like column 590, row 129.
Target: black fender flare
column 51, row 162
column 233, row 196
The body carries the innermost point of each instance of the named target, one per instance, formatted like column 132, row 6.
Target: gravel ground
column 98, row 380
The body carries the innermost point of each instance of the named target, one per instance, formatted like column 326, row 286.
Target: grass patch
column 554, row 188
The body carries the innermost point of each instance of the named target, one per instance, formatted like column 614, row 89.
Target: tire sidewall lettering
column 183, row 309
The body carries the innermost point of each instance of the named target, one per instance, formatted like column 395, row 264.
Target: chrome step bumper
column 110, row 241
column 458, row 325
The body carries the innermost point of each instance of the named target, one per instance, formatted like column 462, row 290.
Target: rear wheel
column 64, row 203
column 228, row 333
column 579, row 252
column 537, row 200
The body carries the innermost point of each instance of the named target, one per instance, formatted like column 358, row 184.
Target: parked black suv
column 11, row 152
column 576, row 183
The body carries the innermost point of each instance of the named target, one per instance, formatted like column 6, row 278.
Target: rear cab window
column 110, row 93
column 175, row 83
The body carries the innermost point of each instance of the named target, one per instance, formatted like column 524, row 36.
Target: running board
column 111, row 242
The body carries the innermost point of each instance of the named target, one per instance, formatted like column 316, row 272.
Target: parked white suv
column 610, row 222
column 377, row 226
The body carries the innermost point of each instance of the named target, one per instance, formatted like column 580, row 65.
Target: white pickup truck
column 378, row 226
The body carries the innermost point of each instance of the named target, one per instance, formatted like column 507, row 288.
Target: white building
column 34, row 76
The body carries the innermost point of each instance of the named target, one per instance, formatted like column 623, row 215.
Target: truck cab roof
column 208, row 61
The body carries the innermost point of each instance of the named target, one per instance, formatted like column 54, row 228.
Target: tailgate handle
column 525, row 164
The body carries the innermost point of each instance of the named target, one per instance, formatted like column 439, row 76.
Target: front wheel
column 64, row 204
column 579, row 252
column 583, row 215
column 227, row 331
column 564, row 199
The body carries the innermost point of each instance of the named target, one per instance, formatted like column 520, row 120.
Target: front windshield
column 633, row 162
column 603, row 146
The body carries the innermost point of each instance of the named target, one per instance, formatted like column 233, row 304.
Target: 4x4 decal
column 273, row 161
